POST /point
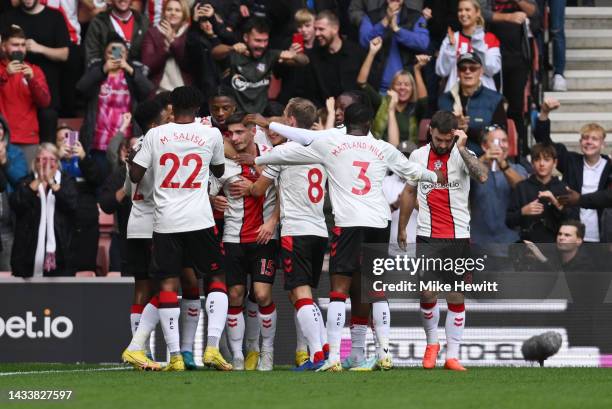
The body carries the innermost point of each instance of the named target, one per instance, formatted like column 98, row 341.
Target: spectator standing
column 586, row 172
column 13, row 168
column 23, row 90
column 509, row 24
column 44, row 204
column 399, row 112
column 205, row 33
column 534, row 207
column 335, row 63
column 47, row 46
column 163, row 48
column 120, row 20
column 404, row 34
column 471, row 38
column 88, row 178
column 112, row 87
column 251, row 65
column 475, row 105
column 557, row 32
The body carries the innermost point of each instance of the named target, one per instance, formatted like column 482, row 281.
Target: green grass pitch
column 409, row 388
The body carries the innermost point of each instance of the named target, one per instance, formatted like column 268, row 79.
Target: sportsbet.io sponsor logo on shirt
column 239, row 83
column 31, row 327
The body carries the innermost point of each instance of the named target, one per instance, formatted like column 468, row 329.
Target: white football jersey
column 140, row 222
column 243, row 216
column 443, row 209
column 356, row 167
column 179, row 156
column 302, row 192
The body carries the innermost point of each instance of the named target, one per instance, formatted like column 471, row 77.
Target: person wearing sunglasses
column 474, row 105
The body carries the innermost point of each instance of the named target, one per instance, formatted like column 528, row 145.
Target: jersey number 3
column 367, row 185
column 167, row 183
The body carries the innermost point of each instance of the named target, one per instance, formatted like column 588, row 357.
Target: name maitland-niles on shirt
column 358, row 145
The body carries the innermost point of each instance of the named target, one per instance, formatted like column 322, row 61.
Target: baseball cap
column 469, row 57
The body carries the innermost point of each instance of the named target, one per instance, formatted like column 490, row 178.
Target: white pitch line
column 119, row 368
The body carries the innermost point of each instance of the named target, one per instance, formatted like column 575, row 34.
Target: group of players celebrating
column 262, row 174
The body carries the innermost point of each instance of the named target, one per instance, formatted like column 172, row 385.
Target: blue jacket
column 16, row 167
column 481, row 107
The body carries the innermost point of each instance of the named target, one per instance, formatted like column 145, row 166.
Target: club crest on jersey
column 437, row 164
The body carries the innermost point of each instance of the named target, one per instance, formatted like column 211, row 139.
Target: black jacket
column 344, row 74
column 571, row 164
column 121, row 210
column 26, row 206
column 89, row 86
column 541, row 228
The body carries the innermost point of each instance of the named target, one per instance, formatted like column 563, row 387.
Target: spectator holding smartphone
column 44, row 203
column 163, row 48
column 23, row 90
column 88, row 178
column 113, row 86
column 534, row 206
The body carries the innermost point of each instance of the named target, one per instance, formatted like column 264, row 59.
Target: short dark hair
column 12, row 31
column 444, row 122
column 114, row 38
column 163, row 98
column 540, row 150
column 222, row 91
column 304, row 112
column 329, row 16
column 256, row 23
column 235, row 118
column 186, row 100
column 355, row 95
column 358, row 115
column 273, row 108
column 147, row 113
column 580, row 228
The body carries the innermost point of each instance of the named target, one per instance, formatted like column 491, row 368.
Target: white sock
column 430, row 316
column 252, row 326
column 336, row 315
column 216, row 310
column 190, row 315
column 169, row 313
column 267, row 320
column 235, row 330
column 300, row 340
column 322, row 329
column 308, row 321
column 147, row 323
column 134, row 320
column 359, row 331
column 381, row 317
column 455, row 323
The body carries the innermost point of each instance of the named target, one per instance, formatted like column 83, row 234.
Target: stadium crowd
column 114, row 64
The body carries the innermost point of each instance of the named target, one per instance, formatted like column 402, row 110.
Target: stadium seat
column 6, row 274
column 512, row 139
column 85, row 274
column 423, row 129
column 107, row 223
